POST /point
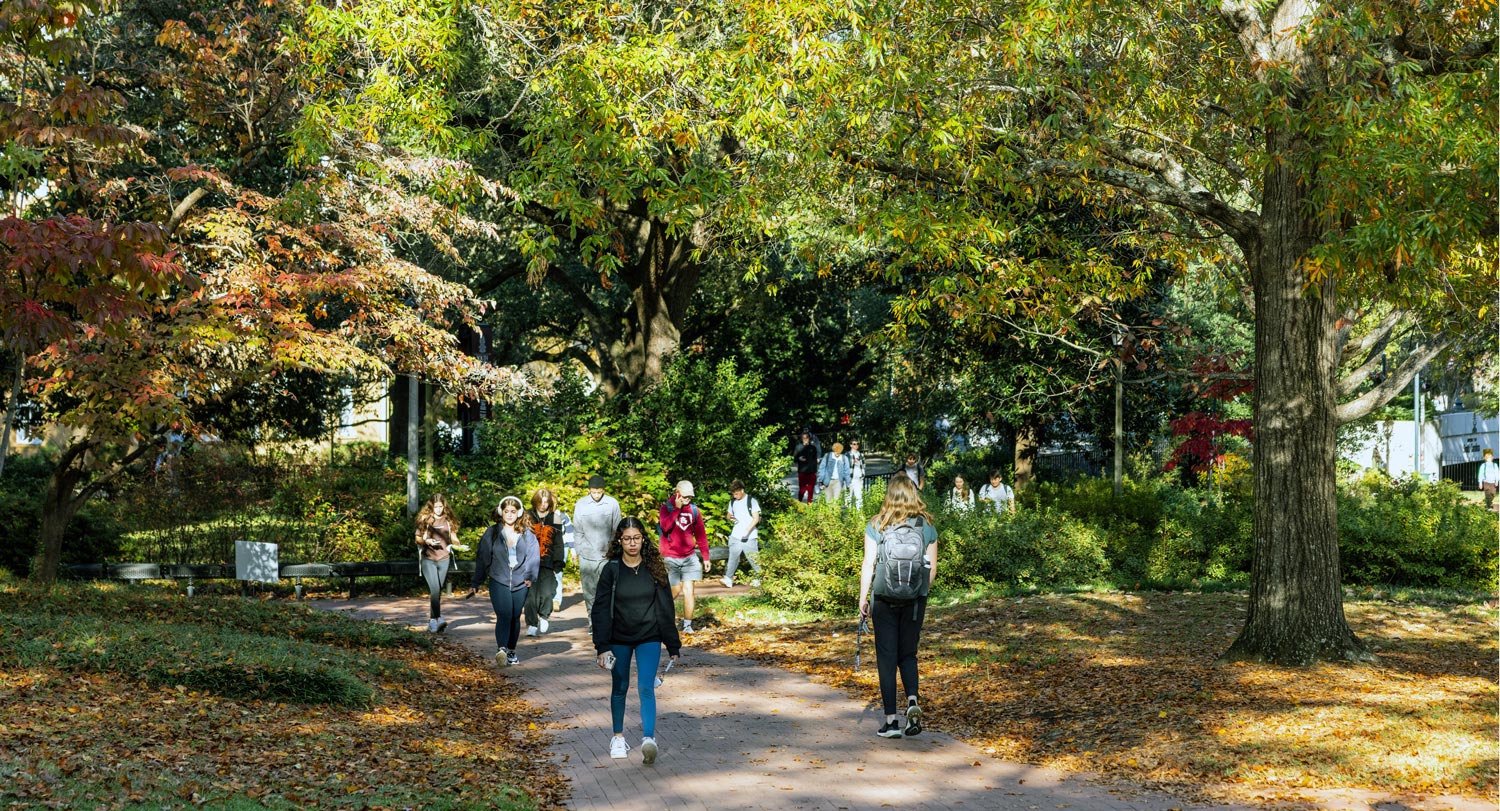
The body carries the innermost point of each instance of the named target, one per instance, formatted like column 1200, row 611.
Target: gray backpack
column 901, row 563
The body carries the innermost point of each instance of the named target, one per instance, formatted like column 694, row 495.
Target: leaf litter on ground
column 1128, row 686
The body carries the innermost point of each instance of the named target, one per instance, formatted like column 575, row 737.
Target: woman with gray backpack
column 900, row 562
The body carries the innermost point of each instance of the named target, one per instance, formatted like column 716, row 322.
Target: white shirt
column 1489, row 472
column 744, row 510
column 1001, row 496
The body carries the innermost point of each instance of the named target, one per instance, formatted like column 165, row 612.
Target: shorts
column 683, row 570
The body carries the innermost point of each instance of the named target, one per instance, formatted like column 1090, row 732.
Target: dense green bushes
column 93, row 535
column 1405, row 533
column 1078, row 534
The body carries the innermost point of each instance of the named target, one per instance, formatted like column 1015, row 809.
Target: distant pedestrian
column 553, row 530
column 684, row 540
column 961, row 498
column 998, row 494
column 1489, row 478
column 833, row 473
column 595, row 518
column 509, row 559
column 856, row 474
column 632, row 619
column 912, row 469
column 900, row 562
column 437, row 532
column 805, row 456
column 744, row 538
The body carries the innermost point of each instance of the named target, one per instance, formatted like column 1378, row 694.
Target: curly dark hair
column 650, row 553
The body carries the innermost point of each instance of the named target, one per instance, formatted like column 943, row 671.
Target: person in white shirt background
column 856, row 474
column 998, row 493
column 1489, row 478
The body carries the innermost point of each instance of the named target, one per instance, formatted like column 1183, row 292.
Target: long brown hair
column 902, row 503
column 425, row 516
column 650, row 553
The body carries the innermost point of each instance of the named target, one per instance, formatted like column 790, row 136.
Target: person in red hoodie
column 684, row 540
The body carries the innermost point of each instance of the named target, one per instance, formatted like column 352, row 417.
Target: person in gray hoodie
column 595, row 518
column 510, row 558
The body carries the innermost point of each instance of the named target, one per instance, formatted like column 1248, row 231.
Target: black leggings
column 896, row 630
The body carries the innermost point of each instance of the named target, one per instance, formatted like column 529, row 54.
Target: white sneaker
column 648, row 751
column 618, row 748
column 531, row 630
column 542, row 625
column 432, row 626
column 687, row 626
column 512, row 658
column 728, row 584
column 442, row 625
column 502, row 657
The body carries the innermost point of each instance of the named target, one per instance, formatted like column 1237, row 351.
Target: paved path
column 736, row 734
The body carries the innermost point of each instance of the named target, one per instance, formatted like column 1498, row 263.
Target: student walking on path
column 901, row 555
column 684, row 538
column 508, row 558
column 553, row 531
column 744, row 539
column 856, row 474
column 805, row 456
column 633, row 618
column 595, row 518
column 437, row 532
column 833, row 474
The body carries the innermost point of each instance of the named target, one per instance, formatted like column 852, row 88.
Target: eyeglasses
column 632, row 537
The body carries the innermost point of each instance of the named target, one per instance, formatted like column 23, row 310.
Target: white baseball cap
column 685, row 487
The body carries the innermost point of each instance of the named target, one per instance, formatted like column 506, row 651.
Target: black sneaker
column 913, row 717
column 890, row 729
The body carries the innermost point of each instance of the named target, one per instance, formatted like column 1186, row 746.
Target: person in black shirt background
column 633, row 617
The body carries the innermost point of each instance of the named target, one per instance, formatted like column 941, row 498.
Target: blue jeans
column 648, row 659
column 508, row 605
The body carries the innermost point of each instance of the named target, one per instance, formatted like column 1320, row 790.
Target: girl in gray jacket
column 510, row 558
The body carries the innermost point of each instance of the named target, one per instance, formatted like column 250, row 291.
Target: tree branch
column 183, row 207
column 1378, row 396
column 1159, row 187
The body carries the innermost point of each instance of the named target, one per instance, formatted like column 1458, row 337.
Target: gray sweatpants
column 750, row 548
column 588, row 572
column 435, row 572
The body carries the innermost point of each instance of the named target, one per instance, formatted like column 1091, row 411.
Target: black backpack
column 901, row 574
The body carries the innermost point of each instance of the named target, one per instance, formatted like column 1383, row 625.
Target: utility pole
column 412, row 407
column 1416, row 418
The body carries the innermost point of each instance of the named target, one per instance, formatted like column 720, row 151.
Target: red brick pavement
column 736, row 734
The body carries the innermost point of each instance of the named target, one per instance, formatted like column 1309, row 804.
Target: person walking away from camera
column 595, row 518
column 913, row 470
column 744, row 538
column 833, row 473
column 633, row 617
column 684, row 540
column 1489, row 478
column 961, row 498
column 509, row 559
column 553, row 529
column 437, row 532
column 901, row 555
column 856, row 474
column 998, row 494
column 805, row 455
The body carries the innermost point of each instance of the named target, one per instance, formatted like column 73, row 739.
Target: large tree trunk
column 1296, row 611
column 662, row 281
column 1025, row 455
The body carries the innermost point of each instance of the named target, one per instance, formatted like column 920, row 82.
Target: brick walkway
column 736, row 734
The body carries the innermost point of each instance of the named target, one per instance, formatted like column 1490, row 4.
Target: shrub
column 1031, row 548
column 703, row 422
column 1410, row 533
column 810, row 557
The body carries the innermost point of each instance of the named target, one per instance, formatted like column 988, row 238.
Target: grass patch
column 129, row 698
column 1127, row 684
